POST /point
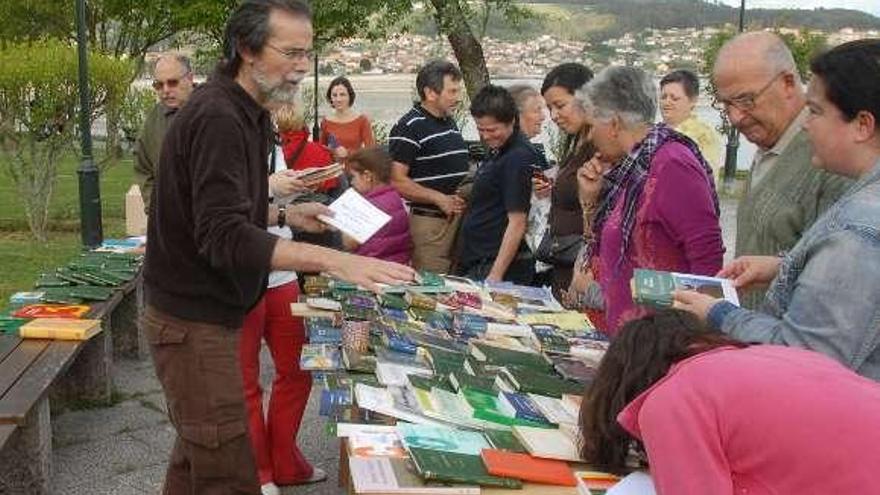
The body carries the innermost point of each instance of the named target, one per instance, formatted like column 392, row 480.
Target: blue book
column 333, row 397
column 520, row 406
column 469, row 325
column 398, row 341
column 321, row 334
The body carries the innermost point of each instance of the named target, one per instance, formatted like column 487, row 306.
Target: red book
column 52, row 311
column 527, row 468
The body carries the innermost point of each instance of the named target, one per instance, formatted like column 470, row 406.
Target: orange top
column 353, row 135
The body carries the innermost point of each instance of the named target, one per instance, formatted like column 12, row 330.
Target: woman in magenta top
column 716, row 416
column 648, row 198
column 370, row 174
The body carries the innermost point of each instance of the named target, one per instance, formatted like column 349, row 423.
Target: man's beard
column 282, row 93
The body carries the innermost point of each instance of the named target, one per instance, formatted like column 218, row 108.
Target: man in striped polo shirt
column 430, row 161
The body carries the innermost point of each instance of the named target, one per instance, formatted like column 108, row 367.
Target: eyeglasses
column 296, row 54
column 746, row 102
column 171, row 83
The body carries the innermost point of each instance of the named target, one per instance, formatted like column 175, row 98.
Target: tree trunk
column 452, row 21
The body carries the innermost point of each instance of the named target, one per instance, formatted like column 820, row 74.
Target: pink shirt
column 761, row 420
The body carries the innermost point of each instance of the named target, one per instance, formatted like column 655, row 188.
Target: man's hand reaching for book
column 304, row 216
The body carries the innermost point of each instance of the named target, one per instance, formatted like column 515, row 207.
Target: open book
column 654, row 288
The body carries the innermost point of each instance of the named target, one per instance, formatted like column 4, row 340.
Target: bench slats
column 7, row 344
column 36, row 380
column 6, row 432
column 17, row 361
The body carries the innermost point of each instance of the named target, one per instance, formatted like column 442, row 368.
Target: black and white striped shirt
column 432, row 148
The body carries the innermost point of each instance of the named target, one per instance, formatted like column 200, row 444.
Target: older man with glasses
column 173, row 82
column 758, row 85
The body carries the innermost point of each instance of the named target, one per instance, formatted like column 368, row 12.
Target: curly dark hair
column 639, row 356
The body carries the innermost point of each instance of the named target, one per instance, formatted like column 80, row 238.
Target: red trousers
column 274, row 438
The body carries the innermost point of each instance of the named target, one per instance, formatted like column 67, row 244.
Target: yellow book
column 60, row 329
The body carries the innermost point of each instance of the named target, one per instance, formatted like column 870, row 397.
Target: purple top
column 392, row 242
column 676, row 229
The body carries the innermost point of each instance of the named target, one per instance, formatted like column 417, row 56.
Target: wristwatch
column 282, row 216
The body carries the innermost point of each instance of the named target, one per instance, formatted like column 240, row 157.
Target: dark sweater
column 208, row 255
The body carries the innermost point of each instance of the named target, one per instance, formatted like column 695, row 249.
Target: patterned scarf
column 629, row 177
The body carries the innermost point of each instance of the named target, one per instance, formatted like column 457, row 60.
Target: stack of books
column 482, row 384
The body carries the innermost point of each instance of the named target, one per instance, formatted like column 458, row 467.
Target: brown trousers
column 198, row 366
column 433, row 242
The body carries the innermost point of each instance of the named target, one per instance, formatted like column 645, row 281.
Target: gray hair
column 180, row 58
column 626, row 92
column 521, row 94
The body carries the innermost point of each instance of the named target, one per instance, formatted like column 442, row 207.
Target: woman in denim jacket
column 825, row 293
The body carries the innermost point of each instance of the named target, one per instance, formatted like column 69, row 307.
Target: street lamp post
column 89, row 186
column 732, row 133
column 316, row 129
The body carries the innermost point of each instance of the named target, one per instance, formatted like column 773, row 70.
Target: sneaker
column 270, row 489
column 317, row 476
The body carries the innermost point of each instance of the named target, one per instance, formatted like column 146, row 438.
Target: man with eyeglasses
column 173, row 82
column 758, row 85
column 210, row 254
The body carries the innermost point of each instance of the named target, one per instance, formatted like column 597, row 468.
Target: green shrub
column 39, row 101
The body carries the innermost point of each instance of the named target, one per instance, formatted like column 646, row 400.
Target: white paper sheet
column 355, row 216
column 637, row 483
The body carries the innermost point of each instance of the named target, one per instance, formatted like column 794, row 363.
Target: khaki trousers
column 198, row 366
column 433, row 241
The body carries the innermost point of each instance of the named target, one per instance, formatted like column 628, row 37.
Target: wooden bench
column 37, row 373
column 28, row 369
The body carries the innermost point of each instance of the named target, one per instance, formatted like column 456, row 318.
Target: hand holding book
column 747, row 271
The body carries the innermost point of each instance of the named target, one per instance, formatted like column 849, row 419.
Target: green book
column 654, row 288
column 500, row 356
column 435, row 465
column 429, row 382
column 465, row 381
column 90, row 292
column 51, row 280
column 444, row 361
column 525, row 380
column 504, row 440
column 485, row 408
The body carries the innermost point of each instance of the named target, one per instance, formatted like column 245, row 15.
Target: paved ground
column 122, row 450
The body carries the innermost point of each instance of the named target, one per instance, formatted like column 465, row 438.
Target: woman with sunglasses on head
column 648, row 197
column 344, row 131
column 825, row 292
column 713, row 415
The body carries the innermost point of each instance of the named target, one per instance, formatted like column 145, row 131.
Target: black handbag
column 559, row 250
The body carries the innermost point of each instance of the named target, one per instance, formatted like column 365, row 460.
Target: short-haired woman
column 825, row 293
column 657, row 208
column 679, row 92
column 717, row 416
column 493, row 229
column 345, row 130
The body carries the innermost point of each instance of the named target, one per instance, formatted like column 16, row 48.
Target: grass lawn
column 21, row 257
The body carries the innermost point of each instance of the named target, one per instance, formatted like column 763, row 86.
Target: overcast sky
column 872, row 6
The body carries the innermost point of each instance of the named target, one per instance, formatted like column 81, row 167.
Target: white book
column 385, row 475
column 355, row 216
column 553, row 409
column 395, row 374
column 547, row 443
column 349, row 429
column 382, row 401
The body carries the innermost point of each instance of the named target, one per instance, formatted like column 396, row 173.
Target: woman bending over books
column 825, row 293
column 716, row 416
column 647, row 195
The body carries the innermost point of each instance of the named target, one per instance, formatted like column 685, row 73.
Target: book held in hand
column 654, row 288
